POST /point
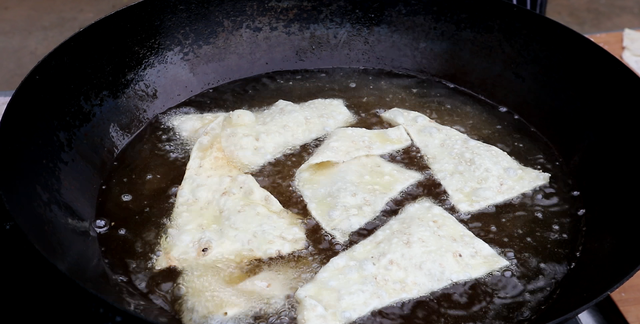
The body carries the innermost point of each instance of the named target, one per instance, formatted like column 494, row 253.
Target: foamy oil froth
column 538, row 232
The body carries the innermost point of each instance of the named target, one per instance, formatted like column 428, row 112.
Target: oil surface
column 538, row 232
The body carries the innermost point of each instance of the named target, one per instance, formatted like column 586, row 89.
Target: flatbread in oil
column 252, row 139
column 192, row 126
column 222, row 218
column 222, row 213
column 346, row 183
column 475, row 174
column 421, row 250
column 218, row 292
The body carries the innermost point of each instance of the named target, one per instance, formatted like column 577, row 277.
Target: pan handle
column 603, row 312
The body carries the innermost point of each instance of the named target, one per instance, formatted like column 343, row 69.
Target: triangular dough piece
column 222, row 213
column 421, row 250
column 475, row 174
column 252, row 139
column 221, row 219
column 345, row 183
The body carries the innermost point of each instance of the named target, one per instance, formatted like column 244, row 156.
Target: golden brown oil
column 538, row 232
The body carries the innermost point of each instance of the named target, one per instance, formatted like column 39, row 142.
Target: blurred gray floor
column 29, row 29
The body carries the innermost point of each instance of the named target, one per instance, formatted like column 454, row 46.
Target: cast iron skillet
column 79, row 106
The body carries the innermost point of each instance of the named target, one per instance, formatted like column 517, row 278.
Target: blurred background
column 29, row 29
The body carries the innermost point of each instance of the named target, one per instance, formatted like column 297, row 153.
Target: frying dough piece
column 631, row 52
column 192, row 126
column 421, row 250
column 222, row 292
column 222, row 213
column 253, row 139
column 475, row 174
column 345, row 183
column 348, row 143
column 221, row 219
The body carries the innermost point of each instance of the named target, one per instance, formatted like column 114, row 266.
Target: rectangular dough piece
column 346, row 184
column 421, row 250
column 475, row 175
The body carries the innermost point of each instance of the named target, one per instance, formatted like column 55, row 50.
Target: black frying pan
column 57, row 134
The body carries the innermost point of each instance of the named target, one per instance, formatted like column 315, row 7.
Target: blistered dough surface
column 192, row 126
column 475, row 174
column 218, row 292
column 253, row 139
column 421, row 250
column 222, row 213
column 346, row 183
column 221, row 219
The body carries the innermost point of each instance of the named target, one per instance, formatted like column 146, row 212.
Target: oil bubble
column 173, row 190
column 179, row 290
column 126, row 197
column 524, row 314
column 101, row 225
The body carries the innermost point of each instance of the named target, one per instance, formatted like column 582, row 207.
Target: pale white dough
column 475, row 174
column 225, row 213
column 252, row 139
column 192, row 126
column 421, row 250
column 221, row 219
column 631, row 51
column 345, row 183
column 221, row 209
column 218, row 292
